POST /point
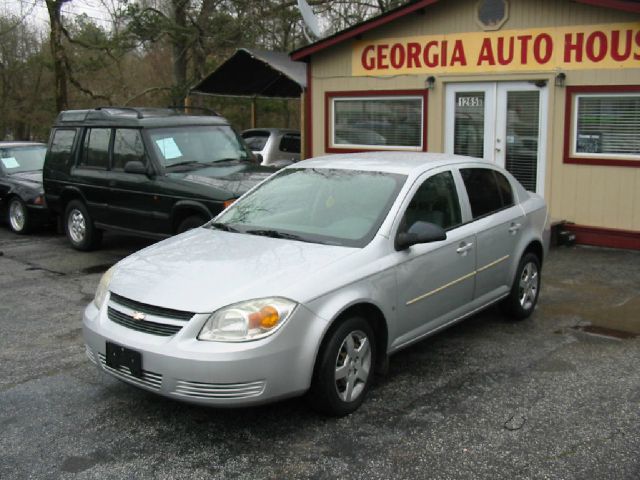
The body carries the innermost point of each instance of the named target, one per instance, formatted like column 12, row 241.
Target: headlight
column 247, row 321
column 103, row 288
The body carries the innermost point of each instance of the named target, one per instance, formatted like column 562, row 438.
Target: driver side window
column 436, row 201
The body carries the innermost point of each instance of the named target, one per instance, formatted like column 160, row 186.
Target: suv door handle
column 464, row 247
column 513, row 229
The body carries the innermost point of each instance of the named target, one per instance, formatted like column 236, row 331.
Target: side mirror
column 420, row 232
column 259, row 158
column 135, row 166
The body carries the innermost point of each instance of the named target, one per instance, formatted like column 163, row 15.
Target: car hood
column 28, row 179
column 235, row 178
column 203, row 269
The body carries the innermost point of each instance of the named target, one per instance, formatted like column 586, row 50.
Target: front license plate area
column 118, row 356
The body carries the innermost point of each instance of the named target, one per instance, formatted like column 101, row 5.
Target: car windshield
column 199, row 144
column 23, row 159
column 331, row 206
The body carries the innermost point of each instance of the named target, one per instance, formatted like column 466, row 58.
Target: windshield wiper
column 276, row 234
column 223, row 226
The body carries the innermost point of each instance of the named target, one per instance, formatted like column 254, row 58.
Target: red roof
column 631, row 6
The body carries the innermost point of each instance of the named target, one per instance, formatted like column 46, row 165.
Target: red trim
column 360, row 29
column 605, row 237
column 370, row 93
column 631, row 7
column 308, row 125
column 568, row 120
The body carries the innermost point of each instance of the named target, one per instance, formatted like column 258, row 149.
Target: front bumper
column 212, row 373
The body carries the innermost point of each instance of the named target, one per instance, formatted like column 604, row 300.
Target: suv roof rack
column 137, row 111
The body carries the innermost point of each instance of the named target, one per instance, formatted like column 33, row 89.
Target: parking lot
column 554, row 396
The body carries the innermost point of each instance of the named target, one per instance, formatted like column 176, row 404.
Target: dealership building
column 549, row 89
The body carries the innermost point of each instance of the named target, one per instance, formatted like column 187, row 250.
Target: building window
column 604, row 126
column 491, row 14
column 376, row 122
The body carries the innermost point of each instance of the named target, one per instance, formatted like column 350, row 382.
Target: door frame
column 495, row 126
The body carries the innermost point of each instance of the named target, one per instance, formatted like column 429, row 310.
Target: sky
column 35, row 11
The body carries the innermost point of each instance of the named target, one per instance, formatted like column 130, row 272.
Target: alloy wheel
column 528, row 288
column 353, row 366
column 77, row 225
column 17, row 216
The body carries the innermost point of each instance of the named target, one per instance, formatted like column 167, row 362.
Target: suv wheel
column 344, row 371
column 18, row 216
column 194, row 221
column 79, row 227
column 525, row 289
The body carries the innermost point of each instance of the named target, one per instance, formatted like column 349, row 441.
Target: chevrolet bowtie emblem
column 138, row 316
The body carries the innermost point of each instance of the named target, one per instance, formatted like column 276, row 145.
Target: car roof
column 393, row 162
column 21, row 144
column 134, row 117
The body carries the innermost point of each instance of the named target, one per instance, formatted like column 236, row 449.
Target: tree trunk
column 58, row 54
column 180, row 45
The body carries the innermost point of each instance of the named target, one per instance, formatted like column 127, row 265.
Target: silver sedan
column 313, row 278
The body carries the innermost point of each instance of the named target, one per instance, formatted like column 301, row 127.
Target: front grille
column 219, row 390
column 151, row 309
column 149, row 379
column 154, row 328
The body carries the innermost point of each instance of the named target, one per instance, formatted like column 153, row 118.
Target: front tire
column 525, row 289
column 79, row 228
column 344, row 369
column 18, row 216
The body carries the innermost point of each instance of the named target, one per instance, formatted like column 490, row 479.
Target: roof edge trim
column 359, row 29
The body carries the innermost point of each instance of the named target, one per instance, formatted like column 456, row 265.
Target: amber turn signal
column 267, row 317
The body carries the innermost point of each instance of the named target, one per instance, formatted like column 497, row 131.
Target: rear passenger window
column 436, row 201
column 127, row 147
column 488, row 190
column 505, row 189
column 61, row 146
column 96, row 148
column 290, row 143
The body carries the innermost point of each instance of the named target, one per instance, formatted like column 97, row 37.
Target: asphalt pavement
column 555, row 396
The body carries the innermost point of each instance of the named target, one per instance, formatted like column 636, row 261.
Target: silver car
column 313, row 278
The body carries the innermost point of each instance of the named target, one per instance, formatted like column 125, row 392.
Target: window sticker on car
column 168, row 148
column 10, row 162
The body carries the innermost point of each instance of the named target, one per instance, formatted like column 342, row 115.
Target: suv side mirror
column 135, row 166
column 420, row 232
column 258, row 158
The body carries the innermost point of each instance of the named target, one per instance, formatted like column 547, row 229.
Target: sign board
column 562, row 48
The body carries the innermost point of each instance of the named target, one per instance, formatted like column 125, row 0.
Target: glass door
column 501, row 123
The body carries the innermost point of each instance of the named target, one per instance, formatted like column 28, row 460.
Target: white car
column 278, row 147
column 313, row 278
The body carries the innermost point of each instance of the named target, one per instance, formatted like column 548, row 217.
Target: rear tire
column 18, row 216
column 344, row 368
column 79, row 228
column 191, row 222
column 525, row 290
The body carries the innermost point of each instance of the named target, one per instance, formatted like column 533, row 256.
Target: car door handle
column 513, row 229
column 464, row 247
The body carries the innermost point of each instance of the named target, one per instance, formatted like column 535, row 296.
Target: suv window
column 96, row 148
column 290, row 143
column 127, row 147
column 256, row 140
column 487, row 193
column 436, row 201
column 61, row 146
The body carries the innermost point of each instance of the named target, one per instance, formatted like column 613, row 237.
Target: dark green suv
column 146, row 172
